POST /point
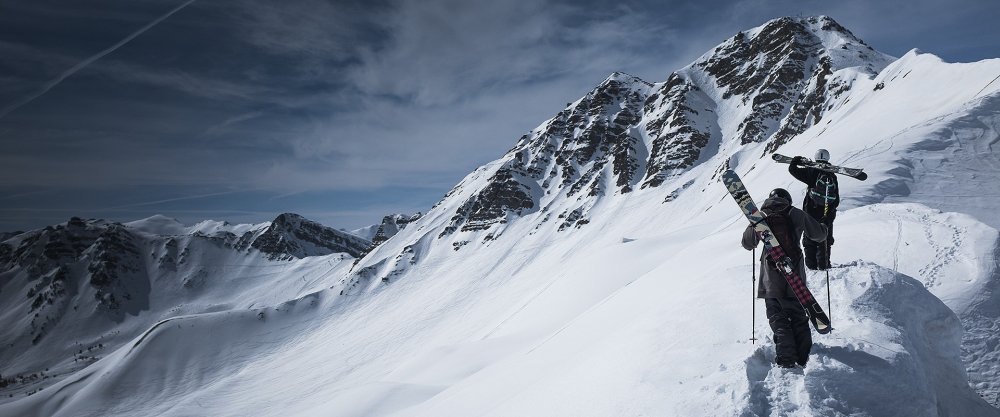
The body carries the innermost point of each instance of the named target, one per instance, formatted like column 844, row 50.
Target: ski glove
column 798, row 160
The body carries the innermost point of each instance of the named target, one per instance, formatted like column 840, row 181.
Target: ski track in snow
column 951, row 256
column 944, row 254
column 899, row 239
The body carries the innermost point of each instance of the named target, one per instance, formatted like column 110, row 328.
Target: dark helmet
column 781, row 193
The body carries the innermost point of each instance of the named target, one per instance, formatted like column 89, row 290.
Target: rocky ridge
column 291, row 235
column 113, row 264
column 392, row 224
column 766, row 84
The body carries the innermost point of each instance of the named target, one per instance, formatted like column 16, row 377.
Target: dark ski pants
column 817, row 254
column 792, row 336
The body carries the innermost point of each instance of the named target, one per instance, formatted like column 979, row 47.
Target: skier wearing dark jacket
column 821, row 201
column 788, row 319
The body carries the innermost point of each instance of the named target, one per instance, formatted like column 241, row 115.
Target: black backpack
column 824, row 191
column 783, row 229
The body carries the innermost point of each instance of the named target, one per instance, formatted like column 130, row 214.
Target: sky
column 343, row 111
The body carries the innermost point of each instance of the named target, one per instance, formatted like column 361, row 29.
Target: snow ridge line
column 987, row 85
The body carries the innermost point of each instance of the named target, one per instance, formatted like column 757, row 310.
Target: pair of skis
column 820, row 321
column 856, row 173
column 783, row 263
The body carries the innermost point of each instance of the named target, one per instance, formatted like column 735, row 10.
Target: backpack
column 783, row 229
column 824, row 191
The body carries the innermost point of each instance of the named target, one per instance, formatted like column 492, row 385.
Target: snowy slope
column 73, row 292
column 594, row 269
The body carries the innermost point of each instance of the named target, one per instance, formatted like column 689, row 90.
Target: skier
column 788, row 320
column 821, row 201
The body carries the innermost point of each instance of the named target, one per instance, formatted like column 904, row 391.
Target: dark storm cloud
column 337, row 108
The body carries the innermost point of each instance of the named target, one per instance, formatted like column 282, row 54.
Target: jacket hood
column 775, row 204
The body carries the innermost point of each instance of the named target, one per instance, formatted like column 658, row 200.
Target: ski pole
column 753, row 301
column 826, row 211
column 829, row 310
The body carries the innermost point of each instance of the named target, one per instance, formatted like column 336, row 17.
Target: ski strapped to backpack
column 856, row 173
column 783, row 263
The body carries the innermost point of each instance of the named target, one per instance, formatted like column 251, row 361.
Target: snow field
column 649, row 342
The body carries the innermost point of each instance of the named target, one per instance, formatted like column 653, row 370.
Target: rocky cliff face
column 391, row 225
column 291, row 235
column 98, row 258
column 778, row 74
column 589, row 149
column 679, row 125
column 766, row 84
column 106, row 268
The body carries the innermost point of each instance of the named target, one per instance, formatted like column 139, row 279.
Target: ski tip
column 862, row 176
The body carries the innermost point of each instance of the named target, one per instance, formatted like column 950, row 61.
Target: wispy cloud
column 240, row 118
column 188, row 83
column 320, row 35
column 444, row 51
column 443, row 86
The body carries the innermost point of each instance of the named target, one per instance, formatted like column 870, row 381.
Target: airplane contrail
column 170, row 200
column 49, row 85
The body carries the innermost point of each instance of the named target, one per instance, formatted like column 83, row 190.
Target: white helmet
column 822, row 155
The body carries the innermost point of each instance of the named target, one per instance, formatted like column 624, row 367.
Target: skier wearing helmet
column 787, row 317
column 821, row 201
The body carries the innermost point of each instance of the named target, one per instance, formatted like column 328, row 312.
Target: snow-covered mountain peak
column 102, row 257
column 289, row 220
column 826, row 28
column 829, row 31
column 71, row 289
column 113, row 262
column 293, row 235
column 159, row 224
column 779, row 49
column 625, row 79
column 822, row 34
column 766, row 84
column 774, row 81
